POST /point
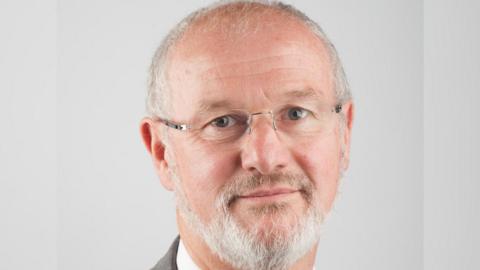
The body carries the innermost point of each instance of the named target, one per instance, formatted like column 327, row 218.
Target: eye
column 296, row 113
column 223, row 121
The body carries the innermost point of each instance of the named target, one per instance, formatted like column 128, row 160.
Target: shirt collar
column 184, row 261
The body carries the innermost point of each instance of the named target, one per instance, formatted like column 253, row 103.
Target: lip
column 265, row 193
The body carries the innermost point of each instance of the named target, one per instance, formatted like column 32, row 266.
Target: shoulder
column 169, row 261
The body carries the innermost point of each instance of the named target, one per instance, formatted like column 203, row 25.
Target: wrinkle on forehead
column 279, row 58
column 257, row 66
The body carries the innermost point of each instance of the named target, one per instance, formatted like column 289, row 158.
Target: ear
column 349, row 112
column 156, row 148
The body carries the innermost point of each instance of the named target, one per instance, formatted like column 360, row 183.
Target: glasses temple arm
column 173, row 124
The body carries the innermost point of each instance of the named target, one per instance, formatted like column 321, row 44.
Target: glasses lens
column 225, row 128
column 298, row 121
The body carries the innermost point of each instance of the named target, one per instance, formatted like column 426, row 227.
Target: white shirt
column 184, row 261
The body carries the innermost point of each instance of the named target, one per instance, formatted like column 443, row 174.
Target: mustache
column 243, row 184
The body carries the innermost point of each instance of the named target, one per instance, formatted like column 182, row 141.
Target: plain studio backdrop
column 78, row 189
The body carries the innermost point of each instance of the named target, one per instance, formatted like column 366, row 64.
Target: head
column 257, row 169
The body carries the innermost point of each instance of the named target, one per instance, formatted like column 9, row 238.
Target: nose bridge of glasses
column 258, row 114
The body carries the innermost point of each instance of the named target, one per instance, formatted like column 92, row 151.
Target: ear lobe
column 163, row 173
column 156, row 148
column 349, row 116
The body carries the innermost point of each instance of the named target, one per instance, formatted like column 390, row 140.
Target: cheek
column 203, row 174
column 321, row 162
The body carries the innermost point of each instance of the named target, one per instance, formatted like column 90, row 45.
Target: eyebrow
column 206, row 106
column 303, row 94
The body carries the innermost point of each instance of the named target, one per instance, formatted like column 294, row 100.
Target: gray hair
column 157, row 82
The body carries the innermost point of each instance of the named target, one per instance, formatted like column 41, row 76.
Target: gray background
column 28, row 165
column 78, row 190
column 451, row 129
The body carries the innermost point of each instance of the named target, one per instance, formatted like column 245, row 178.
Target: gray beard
column 257, row 249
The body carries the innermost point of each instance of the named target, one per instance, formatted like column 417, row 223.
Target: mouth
column 268, row 194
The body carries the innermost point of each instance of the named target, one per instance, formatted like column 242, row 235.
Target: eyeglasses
column 229, row 126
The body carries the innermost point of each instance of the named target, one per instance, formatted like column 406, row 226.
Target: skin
column 253, row 73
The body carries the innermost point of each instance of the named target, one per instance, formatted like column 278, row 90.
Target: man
column 250, row 121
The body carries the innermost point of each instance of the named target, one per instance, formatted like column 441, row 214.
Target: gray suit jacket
column 169, row 261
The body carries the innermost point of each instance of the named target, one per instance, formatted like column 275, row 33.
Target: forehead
column 275, row 58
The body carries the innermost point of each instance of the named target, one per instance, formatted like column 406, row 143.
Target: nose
column 263, row 152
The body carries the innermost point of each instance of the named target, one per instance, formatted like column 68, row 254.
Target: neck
column 205, row 259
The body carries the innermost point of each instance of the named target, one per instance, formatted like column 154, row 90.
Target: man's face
column 270, row 180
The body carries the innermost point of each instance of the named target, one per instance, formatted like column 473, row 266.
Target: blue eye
column 296, row 113
column 223, row 121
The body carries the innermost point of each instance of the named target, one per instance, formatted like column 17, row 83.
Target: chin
column 270, row 222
